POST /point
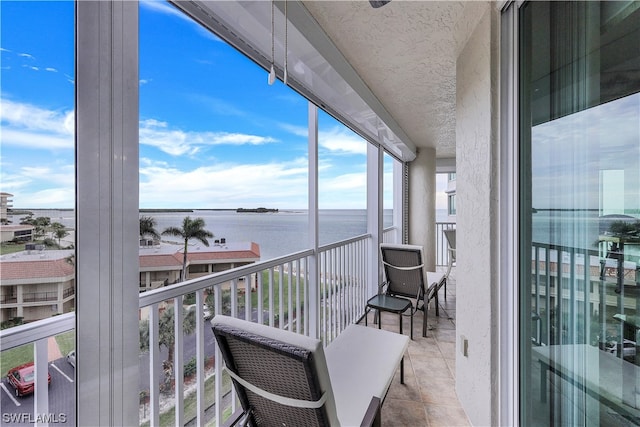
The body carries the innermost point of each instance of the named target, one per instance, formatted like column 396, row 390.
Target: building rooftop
column 39, row 264
column 29, row 265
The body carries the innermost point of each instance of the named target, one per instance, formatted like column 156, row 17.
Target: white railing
column 38, row 334
column 442, row 254
column 302, row 292
column 343, row 270
column 391, row 235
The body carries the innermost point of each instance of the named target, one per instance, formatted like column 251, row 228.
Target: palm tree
column 148, row 227
column 166, row 335
column 191, row 229
column 59, row 231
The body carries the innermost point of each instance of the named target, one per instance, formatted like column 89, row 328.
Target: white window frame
column 509, row 355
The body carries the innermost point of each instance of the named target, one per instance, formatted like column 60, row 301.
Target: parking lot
column 18, row 411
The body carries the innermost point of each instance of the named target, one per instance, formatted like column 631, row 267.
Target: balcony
column 275, row 292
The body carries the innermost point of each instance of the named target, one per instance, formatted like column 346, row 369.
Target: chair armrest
column 381, row 287
column 373, row 418
column 235, row 419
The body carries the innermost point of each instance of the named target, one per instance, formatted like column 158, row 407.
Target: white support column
column 107, row 213
column 375, row 167
column 313, row 274
column 20, row 300
column 60, row 298
column 398, row 200
column 422, row 204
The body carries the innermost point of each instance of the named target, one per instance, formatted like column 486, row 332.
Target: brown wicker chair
column 283, row 378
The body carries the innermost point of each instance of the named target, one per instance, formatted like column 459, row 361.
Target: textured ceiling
column 406, row 53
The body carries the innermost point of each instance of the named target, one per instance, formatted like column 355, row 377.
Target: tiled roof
column 161, row 260
column 32, row 265
column 253, row 252
column 218, row 253
column 38, row 269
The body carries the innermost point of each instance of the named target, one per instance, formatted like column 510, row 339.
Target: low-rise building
column 19, row 232
column 161, row 264
column 36, row 284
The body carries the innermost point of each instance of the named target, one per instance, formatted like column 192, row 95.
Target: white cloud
column 335, row 140
column 224, row 185
column 29, row 126
column 63, row 197
column 26, row 55
column 51, row 69
column 40, row 186
column 294, row 129
column 161, row 6
column 342, row 141
column 177, row 142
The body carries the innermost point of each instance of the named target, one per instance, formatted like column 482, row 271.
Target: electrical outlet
column 464, row 346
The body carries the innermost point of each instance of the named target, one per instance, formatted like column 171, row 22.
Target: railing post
column 41, row 392
column 178, row 357
column 374, row 214
column 312, row 309
column 154, row 367
column 200, row 362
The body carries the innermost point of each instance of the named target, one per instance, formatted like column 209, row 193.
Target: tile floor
column 428, row 396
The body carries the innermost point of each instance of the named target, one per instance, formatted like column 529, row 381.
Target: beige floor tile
column 437, row 390
column 402, row 413
column 428, row 397
column 446, row 416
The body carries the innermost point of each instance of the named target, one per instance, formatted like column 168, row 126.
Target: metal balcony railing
column 39, row 296
column 309, row 292
column 575, row 294
column 442, row 254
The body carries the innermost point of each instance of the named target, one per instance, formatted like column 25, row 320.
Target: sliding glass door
column 579, row 139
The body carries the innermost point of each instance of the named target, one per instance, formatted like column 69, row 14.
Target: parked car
column 22, row 378
column 205, row 310
column 628, row 348
column 71, row 358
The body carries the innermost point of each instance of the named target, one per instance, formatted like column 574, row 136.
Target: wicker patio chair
column 450, row 235
column 406, row 281
column 286, row 379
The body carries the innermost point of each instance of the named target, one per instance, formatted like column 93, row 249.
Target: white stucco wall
column 477, row 221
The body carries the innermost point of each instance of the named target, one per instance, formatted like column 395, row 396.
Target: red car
column 22, row 378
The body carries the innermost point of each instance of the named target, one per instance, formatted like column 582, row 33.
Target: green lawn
column 276, row 292
column 14, row 357
column 9, row 248
column 24, row 354
column 66, row 342
column 191, row 405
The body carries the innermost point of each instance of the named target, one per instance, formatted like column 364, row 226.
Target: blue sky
column 213, row 133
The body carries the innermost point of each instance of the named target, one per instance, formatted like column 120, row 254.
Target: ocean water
column 280, row 233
